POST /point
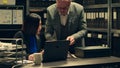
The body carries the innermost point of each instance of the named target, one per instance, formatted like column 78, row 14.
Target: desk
column 81, row 62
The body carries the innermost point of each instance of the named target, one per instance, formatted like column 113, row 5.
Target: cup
column 38, row 58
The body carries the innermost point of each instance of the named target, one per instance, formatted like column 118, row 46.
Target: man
column 65, row 20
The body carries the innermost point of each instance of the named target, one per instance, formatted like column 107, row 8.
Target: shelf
column 102, row 5
column 10, row 29
column 96, row 6
column 37, row 9
column 40, row 3
column 116, row 5
column 12, row 49
column 117, row 31
column 97, row 29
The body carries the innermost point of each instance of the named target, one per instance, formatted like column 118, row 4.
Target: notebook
column 55, row 50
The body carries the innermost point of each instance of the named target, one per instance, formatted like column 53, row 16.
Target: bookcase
column 98, row 38
column 103, row 23
column 116, row 27
column 97, row 20
column 11, row 19
column 12, row 13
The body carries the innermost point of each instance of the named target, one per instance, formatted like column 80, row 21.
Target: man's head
column 63, row 6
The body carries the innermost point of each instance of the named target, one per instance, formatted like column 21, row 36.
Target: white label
column 89, row 35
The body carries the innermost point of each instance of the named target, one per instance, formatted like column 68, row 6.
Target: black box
column 92, row 51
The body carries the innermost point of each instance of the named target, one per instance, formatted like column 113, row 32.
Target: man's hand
column 71, row 39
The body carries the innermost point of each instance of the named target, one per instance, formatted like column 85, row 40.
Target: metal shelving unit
column 11, row 52
column 96, row 34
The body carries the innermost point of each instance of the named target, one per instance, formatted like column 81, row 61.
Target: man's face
column 63, row 6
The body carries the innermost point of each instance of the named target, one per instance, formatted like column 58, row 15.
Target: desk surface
column 76, row 62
